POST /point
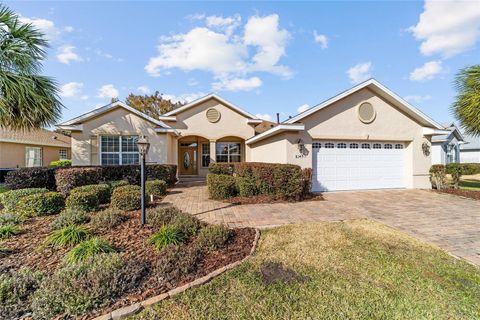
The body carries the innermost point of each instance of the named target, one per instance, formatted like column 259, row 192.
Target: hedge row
column 247, row 179
column 467, row 168
column 63, row 179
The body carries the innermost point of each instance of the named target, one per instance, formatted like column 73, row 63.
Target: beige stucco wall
column 339, row 121
column 12, row 155
column 118, row 122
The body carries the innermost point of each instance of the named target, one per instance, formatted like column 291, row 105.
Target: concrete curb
column 130, row 310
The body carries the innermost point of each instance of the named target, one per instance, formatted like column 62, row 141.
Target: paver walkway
column 450, row 222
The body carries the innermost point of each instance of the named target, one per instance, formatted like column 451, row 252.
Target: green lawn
column 350, row 270
column 470, row 184
column 3, row 189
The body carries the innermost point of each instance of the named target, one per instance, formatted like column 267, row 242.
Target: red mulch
column 128, row 238
column 269, row 199
column 472, row 194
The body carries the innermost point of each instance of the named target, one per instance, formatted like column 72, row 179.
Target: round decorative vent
column 366, row 112
column 213, row 115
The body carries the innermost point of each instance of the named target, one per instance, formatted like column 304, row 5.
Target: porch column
column 213, row 150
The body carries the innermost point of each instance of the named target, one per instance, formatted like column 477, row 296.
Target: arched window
column 329, row 145
column 353, row 145
column 341, row 145
column 377, row 146
column 388, row 146
column 399, row 146
column 316, row 145
column 365, row 145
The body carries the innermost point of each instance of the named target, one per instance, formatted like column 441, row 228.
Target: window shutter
column 94, row 151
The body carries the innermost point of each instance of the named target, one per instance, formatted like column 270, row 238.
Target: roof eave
column 276, row 130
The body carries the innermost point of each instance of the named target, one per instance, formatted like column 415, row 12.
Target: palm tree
column 467, row 105
column 27, row 99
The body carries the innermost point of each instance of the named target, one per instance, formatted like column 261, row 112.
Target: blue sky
column 265, row 57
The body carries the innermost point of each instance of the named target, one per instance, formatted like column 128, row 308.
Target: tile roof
column 35, row 137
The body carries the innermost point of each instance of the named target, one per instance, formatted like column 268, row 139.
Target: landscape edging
column 132, row 309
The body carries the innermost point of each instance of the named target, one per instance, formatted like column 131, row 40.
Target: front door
column 188, row 161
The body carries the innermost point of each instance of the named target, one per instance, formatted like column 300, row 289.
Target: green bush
column 213, row 237
column 103, row 191
column 455, row 170
column 247, row 187
column 127, row 198
column 175, row 263
column 60, row 163
column 9, row 230
column 16, row 290
column 470, row 168
column 37, row 177
column 221, row 168
column 40, row 204
column 9, row 218
column 88, row 248
column 186, row 223
column 86, row 201
column 221, row 186
column 108, row 218
column 10, row 199
column 68, row 217
column 118, row 183
column 165, row 236
column 160, row 216
column 438, row 177
column 67, row 236
column 157, row 188
column 76, row 289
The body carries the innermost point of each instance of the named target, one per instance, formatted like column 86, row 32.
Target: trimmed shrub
column 455, row 170
column 67, row 236
column 9, row 218
column 88, row 248
column 166, row 236
column 9, row 230
column 117, row 183
column 213, row 237
column 247, row 187
column 160, row 216
column 186, row 223
column 470, row 168
column 127, row 198
column 60, row 163
column 41, row 204
column 220, row 168
column 221, row 186
column 307, row 181
column 85, row 201
column 68, row 217
column 157, row 188
column 438, row 177
column 10, row 199
column 288, row 182
column 103, row 191
column 108, row 218
column 38, row 177
column 16, row 289
column 176, row 262
column 76, row 289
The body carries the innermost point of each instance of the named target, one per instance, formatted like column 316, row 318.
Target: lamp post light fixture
column 143, row 146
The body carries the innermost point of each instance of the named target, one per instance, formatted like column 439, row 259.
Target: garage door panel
column 357, row 168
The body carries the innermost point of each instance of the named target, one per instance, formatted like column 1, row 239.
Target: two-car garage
column 357, row 165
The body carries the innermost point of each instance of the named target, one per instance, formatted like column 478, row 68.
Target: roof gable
column 380, row 90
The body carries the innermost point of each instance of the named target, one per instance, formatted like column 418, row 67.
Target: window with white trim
column 33, row 157
column 205, row 154
column 329, row 145
column 365, row 145
column 399, row 146
column 353, row 145
column 316, row 145
column 62, row 154
column 388, row 146
column 119, row 150
column 228, row 152
column 341, row 145
column 377, row 146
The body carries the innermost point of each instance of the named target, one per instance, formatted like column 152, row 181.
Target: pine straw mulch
column 28, row 250
column 472, row 194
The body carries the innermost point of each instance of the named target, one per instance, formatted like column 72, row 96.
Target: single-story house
column 470, row 152
column 446, row 148
column 364, row 138
column 35, row 148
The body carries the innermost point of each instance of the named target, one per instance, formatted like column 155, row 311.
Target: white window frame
column 61, row 156
column 205, row 155
column 40, row 157
column 228, row 153
column 120, row 152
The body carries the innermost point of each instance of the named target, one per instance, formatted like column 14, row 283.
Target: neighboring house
column 470, row 152
column 364, row 138
column 446, row 148
column 34, row 148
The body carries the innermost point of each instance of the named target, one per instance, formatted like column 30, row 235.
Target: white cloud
column 107, row 91
column 220, row 49
column 84, row 97
column 70, row 89
column 302, row 108
column 47, row 27
column 427, row 72
column 184, row 98
column 238, row 84
column 321, row 39
column 448, row 27
column 66, row 55
column 360, row 72
column 265, row 116
column 144, row 89
column 107, row 55
column 417, row 98
column 68, row 29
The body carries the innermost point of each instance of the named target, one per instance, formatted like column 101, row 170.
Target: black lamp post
column 143, row 146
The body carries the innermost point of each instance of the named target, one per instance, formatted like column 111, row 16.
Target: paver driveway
column 450, row 222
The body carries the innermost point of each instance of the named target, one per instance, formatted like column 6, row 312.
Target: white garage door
column 356, row 165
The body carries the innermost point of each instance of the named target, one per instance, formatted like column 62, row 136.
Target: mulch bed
column 472, row 194
column 128, row 238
